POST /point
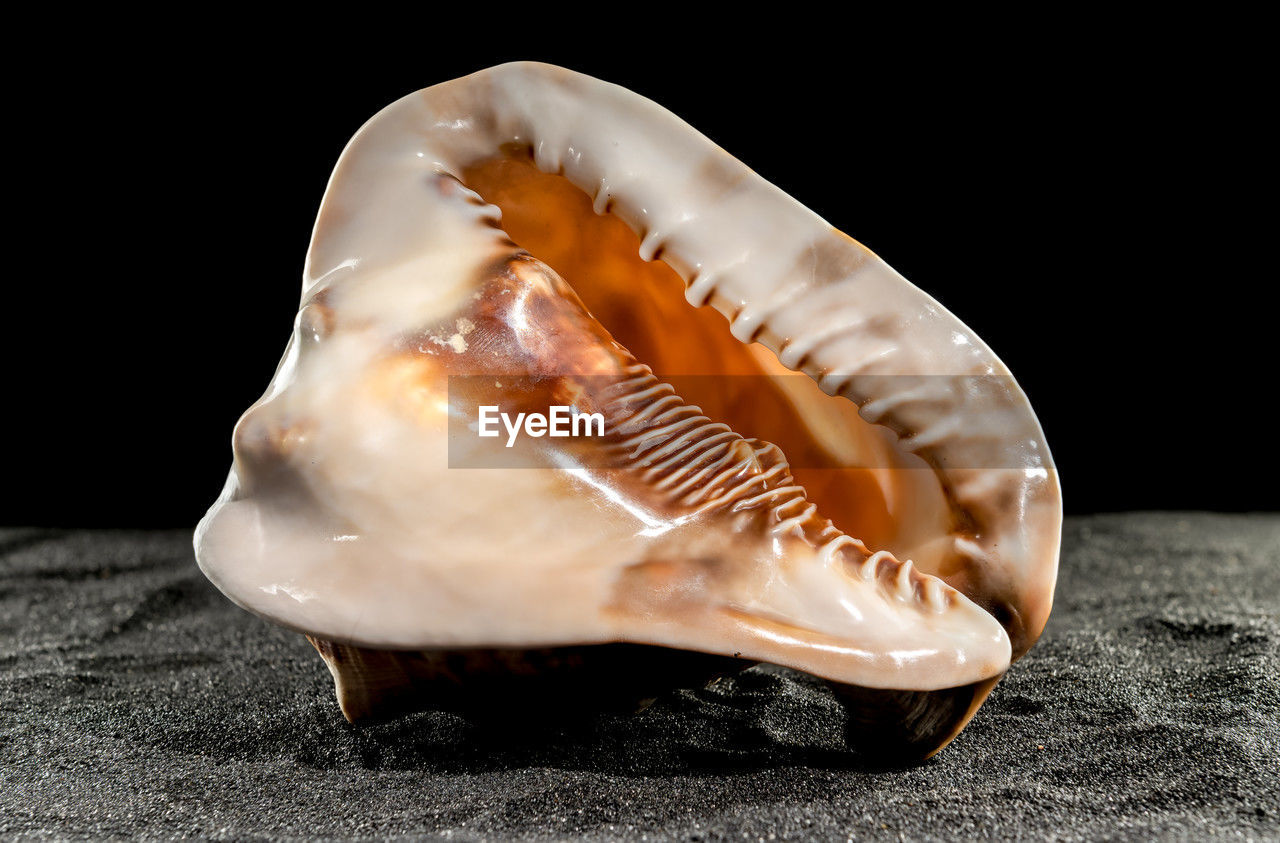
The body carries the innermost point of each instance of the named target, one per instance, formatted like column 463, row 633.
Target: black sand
column 135, row 700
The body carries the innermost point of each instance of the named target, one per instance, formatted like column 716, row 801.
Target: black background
column 1087, row 195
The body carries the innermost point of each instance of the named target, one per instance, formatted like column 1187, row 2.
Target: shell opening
column 852, row 469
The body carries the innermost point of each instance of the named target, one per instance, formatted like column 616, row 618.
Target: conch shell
column 528, row 236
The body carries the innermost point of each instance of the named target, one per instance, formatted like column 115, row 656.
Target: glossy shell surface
column 457, row 262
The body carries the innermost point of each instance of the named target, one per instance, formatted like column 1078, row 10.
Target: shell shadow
column 763, row 718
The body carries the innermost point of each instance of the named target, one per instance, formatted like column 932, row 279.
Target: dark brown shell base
column 884, row 726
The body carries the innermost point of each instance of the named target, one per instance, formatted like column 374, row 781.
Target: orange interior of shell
column 851, row 469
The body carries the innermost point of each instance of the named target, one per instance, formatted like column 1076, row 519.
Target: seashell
column 528, row 236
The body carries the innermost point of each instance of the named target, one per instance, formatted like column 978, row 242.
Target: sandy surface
column 136, row 700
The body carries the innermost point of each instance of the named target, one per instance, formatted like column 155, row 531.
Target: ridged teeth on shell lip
column 905, row 587
column 747, row 456
column 651, row 244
